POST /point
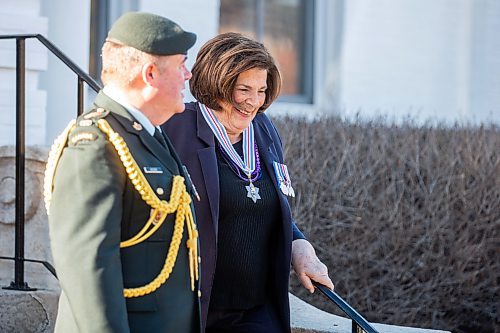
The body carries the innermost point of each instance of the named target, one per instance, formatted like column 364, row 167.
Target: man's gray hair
column 122, row 64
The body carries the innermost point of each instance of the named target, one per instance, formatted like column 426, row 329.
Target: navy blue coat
column 195, row 143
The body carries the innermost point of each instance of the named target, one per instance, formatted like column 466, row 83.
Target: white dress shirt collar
column 119, row 97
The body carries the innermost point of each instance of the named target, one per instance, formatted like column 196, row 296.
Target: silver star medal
column 252, row 192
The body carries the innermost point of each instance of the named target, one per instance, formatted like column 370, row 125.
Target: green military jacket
column 94, row 207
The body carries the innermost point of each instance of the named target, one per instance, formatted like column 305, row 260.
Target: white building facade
column 426, row 59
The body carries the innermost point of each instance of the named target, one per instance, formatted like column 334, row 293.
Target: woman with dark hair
column 234, row 155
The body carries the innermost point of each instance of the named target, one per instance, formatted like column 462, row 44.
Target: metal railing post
column 19, row 283
column 79, row 107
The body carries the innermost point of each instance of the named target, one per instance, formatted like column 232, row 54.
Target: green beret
column 151, row 33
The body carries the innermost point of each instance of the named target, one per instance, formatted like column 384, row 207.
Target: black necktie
column 159, row 136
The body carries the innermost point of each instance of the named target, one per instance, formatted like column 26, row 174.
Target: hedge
column 406, row 217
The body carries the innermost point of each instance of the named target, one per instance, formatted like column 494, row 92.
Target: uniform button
column 160, row 191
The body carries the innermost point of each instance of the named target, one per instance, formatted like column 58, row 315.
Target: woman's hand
column 307, row 266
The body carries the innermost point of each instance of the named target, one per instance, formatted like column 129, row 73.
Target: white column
column 22, row 17
column 69, row 30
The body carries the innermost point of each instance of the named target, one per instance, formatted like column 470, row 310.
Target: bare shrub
column 406, row 217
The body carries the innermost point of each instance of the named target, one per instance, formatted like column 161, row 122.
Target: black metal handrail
column 19, row 283
column 46, row 264
column 359, row 323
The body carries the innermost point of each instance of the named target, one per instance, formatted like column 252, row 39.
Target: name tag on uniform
column 152, row 169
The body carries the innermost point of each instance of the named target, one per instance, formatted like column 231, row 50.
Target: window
column 286, row 29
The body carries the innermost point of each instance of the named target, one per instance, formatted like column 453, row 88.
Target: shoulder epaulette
column 96, row 114
column 86, row 129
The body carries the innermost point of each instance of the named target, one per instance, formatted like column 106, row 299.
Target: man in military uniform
column 121, row 226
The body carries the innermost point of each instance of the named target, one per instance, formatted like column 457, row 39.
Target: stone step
column 35, row 312
column 27, row 311
column 307, row 318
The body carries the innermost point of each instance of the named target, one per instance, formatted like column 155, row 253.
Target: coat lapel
column 266, row 151
column 127, row 121
column 208, row 161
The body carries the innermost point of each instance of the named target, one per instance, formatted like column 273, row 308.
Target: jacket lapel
column 266, row 150
column 127, row 121
column 208, row 161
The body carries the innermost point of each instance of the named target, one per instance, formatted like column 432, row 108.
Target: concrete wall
column 36, row 226
column 425, row 58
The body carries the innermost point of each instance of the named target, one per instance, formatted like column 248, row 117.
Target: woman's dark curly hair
column 221, row 60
